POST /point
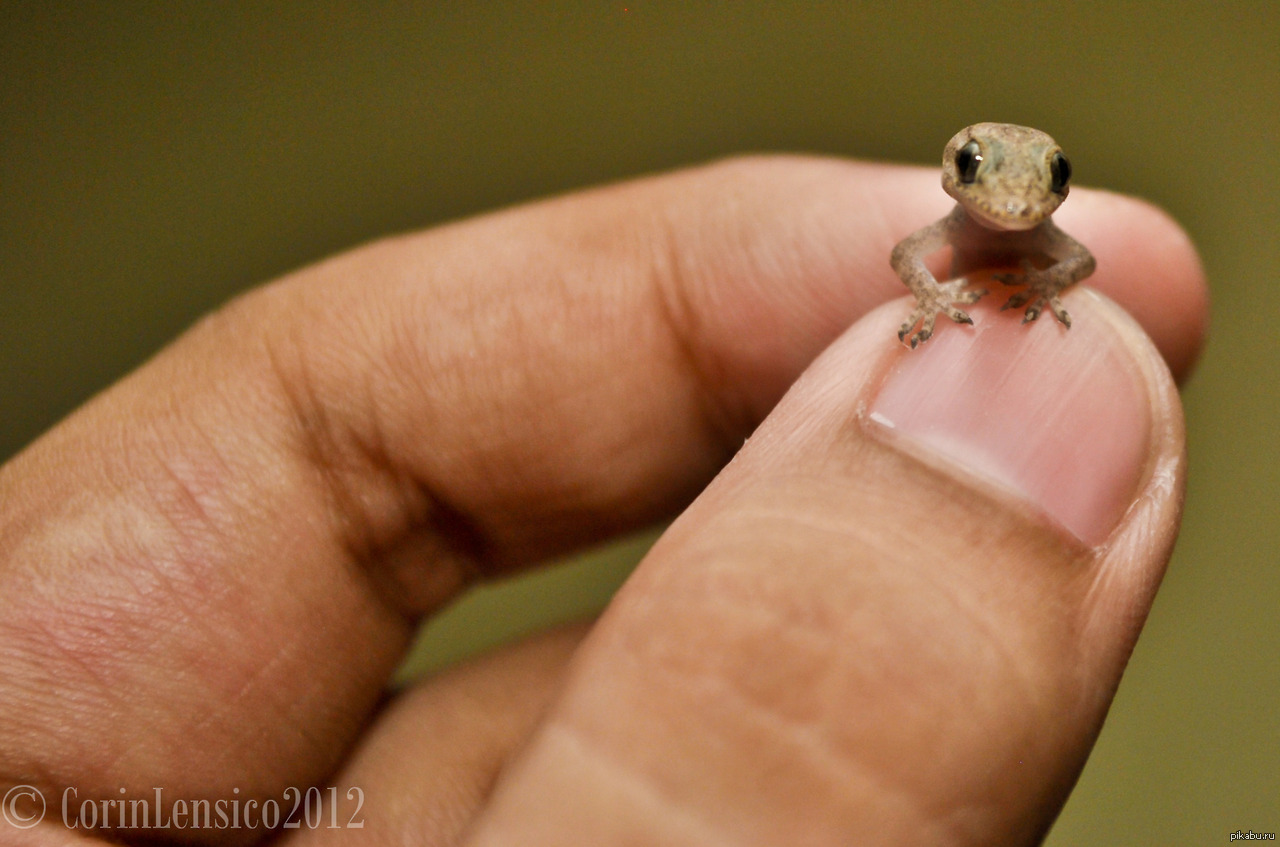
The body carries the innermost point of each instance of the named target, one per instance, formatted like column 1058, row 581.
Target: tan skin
column 208, row 573
column 1007, row 180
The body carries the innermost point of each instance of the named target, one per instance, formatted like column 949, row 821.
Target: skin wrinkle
column 315, row 743
column 51, row 645
column 459, row 545
column 726, row 687
column 809, row 524
column 179, row 533
column 959, row 595
column 572, row 496
column 177, row 502
column 182, row 581
column 731, row 599
column 669, row 810
column 211, row 711
column 694, row 676
column 734, row 244
column 349, row 458
column 575, row 498
column 1031, row 689
column 671, row 292
column 956, row 590
column 802, row 739
column 282, row 652
column 316, row 440
column 219, row 468
column 175, row 574
column 776, row 619
column 806, row 743
column 322, row 753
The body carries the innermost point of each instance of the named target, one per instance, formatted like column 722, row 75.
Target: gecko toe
column 929, row 305
column 1059, row 312
column 1016, row 300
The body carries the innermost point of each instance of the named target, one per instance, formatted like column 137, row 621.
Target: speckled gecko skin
column 1007, row 181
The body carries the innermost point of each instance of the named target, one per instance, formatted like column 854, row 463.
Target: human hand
column 859, row 632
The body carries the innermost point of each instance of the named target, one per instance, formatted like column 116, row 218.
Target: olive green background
column 156, row 158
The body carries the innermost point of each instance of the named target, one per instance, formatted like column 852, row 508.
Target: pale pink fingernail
column 1061, row 417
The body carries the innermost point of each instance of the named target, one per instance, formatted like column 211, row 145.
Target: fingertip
column 931, row 617
column 1061, row 417
column 1149, row 265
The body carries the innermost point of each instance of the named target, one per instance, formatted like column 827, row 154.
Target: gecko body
column 1007, row 181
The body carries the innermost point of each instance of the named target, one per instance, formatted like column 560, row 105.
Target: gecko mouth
column 1012, row 214
column 997, row 207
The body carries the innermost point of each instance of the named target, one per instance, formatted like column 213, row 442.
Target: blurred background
column 157, row 158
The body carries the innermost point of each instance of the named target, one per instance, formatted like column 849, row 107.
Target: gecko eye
column 1060, row 169
column 968, row 158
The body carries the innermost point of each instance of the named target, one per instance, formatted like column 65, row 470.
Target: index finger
column 208, row 572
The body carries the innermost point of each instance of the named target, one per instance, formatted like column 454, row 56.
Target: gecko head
column 1005, row 176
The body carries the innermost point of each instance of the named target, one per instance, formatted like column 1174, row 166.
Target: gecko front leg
column 1072, row 263
column 932, row 297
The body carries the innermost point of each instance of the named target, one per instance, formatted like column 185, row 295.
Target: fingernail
column 1061, row 417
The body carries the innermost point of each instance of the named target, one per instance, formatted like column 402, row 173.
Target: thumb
column 900, row 613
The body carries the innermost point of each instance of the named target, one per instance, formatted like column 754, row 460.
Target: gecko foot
column 939, row 300
column 1042, row 290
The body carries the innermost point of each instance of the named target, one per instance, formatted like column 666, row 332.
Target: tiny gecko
column 1007, row 181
